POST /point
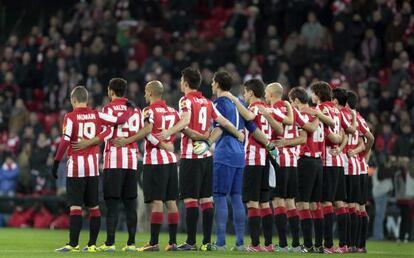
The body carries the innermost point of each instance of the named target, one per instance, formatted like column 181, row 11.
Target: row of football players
column 292, row 127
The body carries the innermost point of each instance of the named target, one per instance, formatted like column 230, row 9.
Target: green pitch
column 28, row 243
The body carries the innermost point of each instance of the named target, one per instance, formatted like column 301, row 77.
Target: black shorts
column 256, row 184
column 120, row 184
column 160, row 182
column 286, row 183
column 196, row 178
column 341, row 189
column 333, row 186
column 353, row 186
column 82, row 191
column 310, row 177
column 363, row 179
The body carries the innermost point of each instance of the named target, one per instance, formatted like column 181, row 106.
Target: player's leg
column 251, row 196
column 171, row 203
column 363, row 215
column 266, row 212
column 353, row 212
column 329, row 187
column 239, row 213
column 190, row 180
column 75, row 188
column 154, row 185
column 129, row 200
column 206, row 203
column 307, row 176
column 112, row 184
column 279, row 205
column 292, row 213
column 316, row 208
column 92, row 201
column 341, row 210
column 222, row 182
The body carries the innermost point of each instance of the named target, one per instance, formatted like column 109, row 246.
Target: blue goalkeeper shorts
column 227, row 180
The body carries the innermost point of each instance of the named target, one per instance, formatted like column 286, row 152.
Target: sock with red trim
column 267, row 224
column 364, row 229
column 191, row 220
column 156, row 222
column 253, row 215
column 318, row 224
column 293, row 217
column 173, row 218
column 342, row 220
column 328, row 214
column 207, row 209
column 353, row 230
column 75, row 226
column 281, row 225
column 94, row 225
column 306, row 224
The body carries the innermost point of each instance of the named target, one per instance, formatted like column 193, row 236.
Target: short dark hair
column 80, row 93
column 352, row 100
column 300, row 94
column 257, row 86
column 341, row 95
column 322, row 90
column 118, row 86
column 224, row 80
column 192, row 77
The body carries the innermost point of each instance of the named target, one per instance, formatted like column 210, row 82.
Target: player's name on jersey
column 119, row 107
column 162, row 110
column 85, row 116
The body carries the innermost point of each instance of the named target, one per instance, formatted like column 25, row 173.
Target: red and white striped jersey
column 161, row 117
column 82, row 123
column 346, row 123
column 121, row 157
column 288, row 156
column 328, row 108
column 315, row 142
column 255, row 152
column 352, row 166
column 202, row 113
column 362, row 130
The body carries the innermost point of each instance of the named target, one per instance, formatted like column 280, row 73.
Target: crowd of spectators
column 366, row 46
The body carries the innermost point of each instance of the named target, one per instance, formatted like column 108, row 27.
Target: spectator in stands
column 19, row 116
column 353, row 70
column 312, row 31
column 24, row 180
column 9, row 172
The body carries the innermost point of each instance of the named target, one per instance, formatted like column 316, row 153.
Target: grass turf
column 25, row 243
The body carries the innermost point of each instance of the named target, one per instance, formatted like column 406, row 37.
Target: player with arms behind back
column 196, row 114
column 83, row 166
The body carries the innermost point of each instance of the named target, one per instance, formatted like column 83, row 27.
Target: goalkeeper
column 229, row 161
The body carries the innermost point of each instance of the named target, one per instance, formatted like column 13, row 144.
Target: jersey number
column 167, row 122
column 132, row 125
column 318, row 134
column 265, row 127
column 202, row 118
column 86, row 130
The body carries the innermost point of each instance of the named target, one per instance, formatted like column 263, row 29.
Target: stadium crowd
column 366, row 46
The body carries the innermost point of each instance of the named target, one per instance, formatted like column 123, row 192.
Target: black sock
column 191, row 220
column 156, row 222
column 328, row 226
column 75, row 226
column 131, row 219
column 254, row 225
column 293, row 218
column 281, row 225
column 173, row 218
column 111, row 220
column 94, row 226
column 267, row 225
column 318, row 224
column 353, row 229
column 306, row 224
column 342, row 219
column 208, row 217
column 364, row 229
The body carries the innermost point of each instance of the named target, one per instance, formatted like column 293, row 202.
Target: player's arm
column 300, row 140
column 244, row 112
column 344, row 142
column 353, row 126
column 194, row 135
column 368, row 146
column 230, row 127
column 107, row 119
column 334, row 138
column 311, row 127
column 63, row 145
column 141, row 134
column 360, row 148
column 323, row 115
column 289, row 114
column 184, row 121
column 85, row 143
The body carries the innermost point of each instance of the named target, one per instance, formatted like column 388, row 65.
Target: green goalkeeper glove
column 201, row 147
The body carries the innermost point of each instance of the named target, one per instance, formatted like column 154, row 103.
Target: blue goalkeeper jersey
column 229, row 151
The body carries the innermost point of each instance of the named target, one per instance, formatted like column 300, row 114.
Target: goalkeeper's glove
column 273, row 151
column 201, row 147
column 55, row 169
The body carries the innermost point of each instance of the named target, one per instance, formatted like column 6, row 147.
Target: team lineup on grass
column 294, row 165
